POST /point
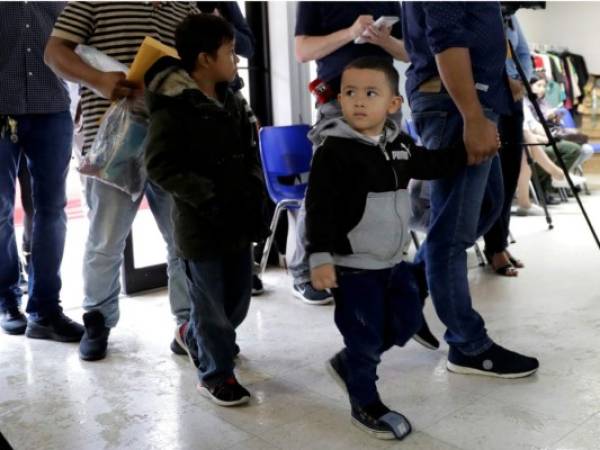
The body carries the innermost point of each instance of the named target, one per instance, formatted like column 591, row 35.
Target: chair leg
column 269, row 242
column 479, row 255
column 511, row 238
column 415, row 239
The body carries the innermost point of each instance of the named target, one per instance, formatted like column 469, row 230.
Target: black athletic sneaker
column 426, row 338
column 494, row 362
column 177, row 349
column 379, row 421
column 181, row 337
column 95, row 339
column 57, row 328
column 226, row 393
column 13, row 321
column 336, row 367
column 257, row 285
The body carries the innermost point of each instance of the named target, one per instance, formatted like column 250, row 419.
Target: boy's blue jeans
column 220, row 290
column 45, row 139
column 457, row 220
column 364, row 314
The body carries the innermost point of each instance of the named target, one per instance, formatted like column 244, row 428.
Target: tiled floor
column 143, row 397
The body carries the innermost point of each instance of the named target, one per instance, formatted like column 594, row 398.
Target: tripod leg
column 538, row 187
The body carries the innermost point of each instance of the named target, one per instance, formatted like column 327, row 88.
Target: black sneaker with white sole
column 181, row 339
column 257, row 285
column 13, row 321
column 177, row 349
column 494, row 362
column 336, row 367
column 57, row 327
column 311, row 296
column 380, row 422
column 227, row 392
column 426, row 338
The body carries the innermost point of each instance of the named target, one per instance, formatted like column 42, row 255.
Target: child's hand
column 323, row 277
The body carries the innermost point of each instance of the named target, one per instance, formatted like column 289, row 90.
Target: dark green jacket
column 205, row 155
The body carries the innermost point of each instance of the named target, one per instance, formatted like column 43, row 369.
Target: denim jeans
column 220, row 291
column 111, row 214
column 45, row 140
column 366, row 315
column 457, row 220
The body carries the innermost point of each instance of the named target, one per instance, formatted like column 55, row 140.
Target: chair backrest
column 567, row 120
column 285, row 152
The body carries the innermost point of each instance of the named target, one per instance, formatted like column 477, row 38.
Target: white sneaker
column 577, row 181
column 533, row 210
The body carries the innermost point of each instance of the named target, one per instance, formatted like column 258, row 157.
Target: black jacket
column 206, row 156
column 357, row 205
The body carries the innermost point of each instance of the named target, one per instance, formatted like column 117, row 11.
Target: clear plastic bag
column 99, row 61
column 117, row 154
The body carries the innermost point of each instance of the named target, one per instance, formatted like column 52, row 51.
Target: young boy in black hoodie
column 357, row 211
column 202, row 149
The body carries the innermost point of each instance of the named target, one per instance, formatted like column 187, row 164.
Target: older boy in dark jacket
column 202, row 149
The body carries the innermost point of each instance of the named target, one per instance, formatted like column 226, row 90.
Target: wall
column 573, row 25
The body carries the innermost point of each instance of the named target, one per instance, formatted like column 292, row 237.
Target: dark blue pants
column 220, row 291
column 510, row 128
column 372, row 321
column 45, row 140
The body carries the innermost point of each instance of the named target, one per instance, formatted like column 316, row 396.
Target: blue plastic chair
column 285, row 152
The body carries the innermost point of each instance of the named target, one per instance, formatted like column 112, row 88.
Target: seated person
column 571, row 152
column 357, row 212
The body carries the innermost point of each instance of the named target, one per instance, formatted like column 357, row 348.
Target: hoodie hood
column 338, row 127
column 167, row 80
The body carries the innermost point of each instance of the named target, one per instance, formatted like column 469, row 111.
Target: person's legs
column 161, row 204
column 455, row 223
column 511, row 134
column 111, row 214
column 10, row 293
column 523, row 199
column 211, row 331
column 238, row 289
column 360, row 315
column 47, row 145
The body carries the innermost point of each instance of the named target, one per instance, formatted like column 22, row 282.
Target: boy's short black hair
column 201, row 33
column 380, row 64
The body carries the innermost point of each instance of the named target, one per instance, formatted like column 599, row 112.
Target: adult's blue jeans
column 111, row 215
column 45, row 141
column 457, row 220
column 220, row 289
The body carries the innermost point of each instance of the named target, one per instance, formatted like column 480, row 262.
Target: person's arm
column 320, row 224
column 165, row 161
column 447, row 37
column 244, row 39
column 310, row 48
column 382, row 38
column 60, row 56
